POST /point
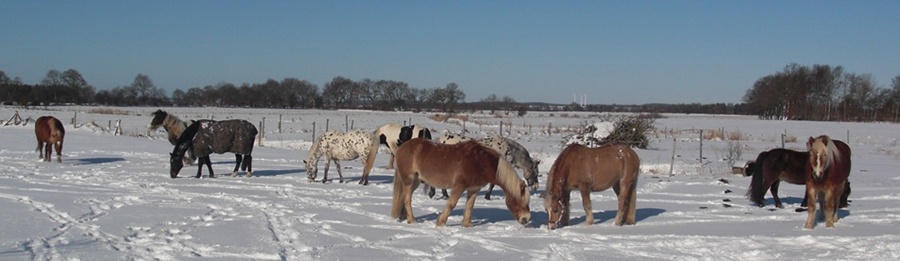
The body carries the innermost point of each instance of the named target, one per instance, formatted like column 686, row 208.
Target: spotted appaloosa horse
column 340, row 146
column 205, row 137
column 50, row 132
column 515, row 153
column 826, row 176
column 390, row 136
column 461, row 167
column 592, row 169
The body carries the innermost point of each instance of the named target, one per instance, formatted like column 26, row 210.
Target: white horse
column 389, row 135
column 514, row 152
column 337, row 146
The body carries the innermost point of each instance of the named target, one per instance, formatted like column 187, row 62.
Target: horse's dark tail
column 757, row 191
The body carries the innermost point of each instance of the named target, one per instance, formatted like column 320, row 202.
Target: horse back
column 598, row 168
column 785, row 164
column 236, row 136
column 443, row 165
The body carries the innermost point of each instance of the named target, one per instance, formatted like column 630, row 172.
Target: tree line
column 823, row 93
column 798, row 92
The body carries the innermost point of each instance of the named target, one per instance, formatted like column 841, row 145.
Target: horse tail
column 757, row 191
column 632, row 171
column 397, row 204
column 373, row 151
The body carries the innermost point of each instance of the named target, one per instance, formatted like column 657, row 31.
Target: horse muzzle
column 525, row 219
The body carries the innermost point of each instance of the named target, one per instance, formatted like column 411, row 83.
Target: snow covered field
column 112, row 199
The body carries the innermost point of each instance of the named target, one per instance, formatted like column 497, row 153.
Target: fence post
column 346, row 123
column 314, row 132
column 672, row 164
column 701, row 148
column 327, row 121
column 262, row 129
column 279, row 123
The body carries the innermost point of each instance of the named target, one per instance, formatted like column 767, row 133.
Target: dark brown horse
column 460, row 167
column 50, row 132
column 205, row 137
column 592, row 169
column 776, row 165
column 826, row 177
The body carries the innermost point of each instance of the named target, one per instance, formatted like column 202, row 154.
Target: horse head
column 820, row 155
column 311, row 169
column 175, row 163
column 555, row 208
column 159, row 116
column 519, row 206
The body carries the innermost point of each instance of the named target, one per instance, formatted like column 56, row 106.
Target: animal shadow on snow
column 373, row 178
column 609, row 215
column 91, row 161
column 275, row 172
column 480, row 216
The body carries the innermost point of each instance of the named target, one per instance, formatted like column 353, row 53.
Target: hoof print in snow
column 800, row 210
column 727, row 191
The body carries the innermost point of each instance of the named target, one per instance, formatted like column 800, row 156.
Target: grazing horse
column 205, row 137
column 776, row 165
column 461, row 167
column 390, row 136
column 50, row 132
column 592, row 169
column 173, row 126
column 514, row 152
column 337, row 146
column 826, row 176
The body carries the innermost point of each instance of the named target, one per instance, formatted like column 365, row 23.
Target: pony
column 466, row 166
column 776, row 165
column 390, row 136
column 514, row 152
column 337, row 146
column 173, row 126
column 205, row 137
column 826, row 176
column 592, row 169
column 50, row 132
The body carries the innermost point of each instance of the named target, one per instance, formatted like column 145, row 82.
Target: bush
column 631, row 131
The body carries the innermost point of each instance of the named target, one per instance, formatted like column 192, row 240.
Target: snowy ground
column 112, row 199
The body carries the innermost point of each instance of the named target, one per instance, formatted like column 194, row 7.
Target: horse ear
column 810, row 142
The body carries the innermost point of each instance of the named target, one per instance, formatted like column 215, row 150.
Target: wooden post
column 701, row 148
column 262, row 129
column 672, row 164
column 314, row 132
column 327, row 121
column 346, row 123
column 118, row 127
column 75, row 120
column 352, row 123
column 279, row 123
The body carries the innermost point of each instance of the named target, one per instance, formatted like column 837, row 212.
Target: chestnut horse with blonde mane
column 826, row 177
column 592, row 169
column 50, row 132
column 466, row 166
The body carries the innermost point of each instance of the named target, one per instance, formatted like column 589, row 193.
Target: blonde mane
column 507, row 178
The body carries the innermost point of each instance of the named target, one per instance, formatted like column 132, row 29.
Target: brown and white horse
column 592, row 169
column 50, row 132
column 466, row 166
column 826, row 177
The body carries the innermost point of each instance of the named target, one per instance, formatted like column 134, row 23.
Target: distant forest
column 798, row 92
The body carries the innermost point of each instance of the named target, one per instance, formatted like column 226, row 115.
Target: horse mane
column 507, row 178
column 831, row 152
column 173, row 124
column 185, row 140
column 314, row 153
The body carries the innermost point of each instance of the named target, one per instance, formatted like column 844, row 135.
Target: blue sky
column 629, row 52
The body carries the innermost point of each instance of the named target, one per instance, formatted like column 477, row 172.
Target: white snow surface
column 111, row 198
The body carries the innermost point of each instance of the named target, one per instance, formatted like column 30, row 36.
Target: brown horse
column 49, row 131
column 592, row 169
column 826, row 177
column 776, row 165
column 466, row 166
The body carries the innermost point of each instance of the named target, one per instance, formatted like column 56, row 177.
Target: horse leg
column 209, row 167
column 325, row 174
column 200, row 163
column 805, row 201
column 774, row 190
column 444, row 193
column 408, row 189
column 248, row 163
column 564, row 220
column 845, row 195
column 48, row 148
column 833, row 197
column 455, row 193
column 586, row 203
column 237, row 164
column 811, row 211
column 337, row 164
column 489, row 191
column 471, row 195
column 58, row 148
